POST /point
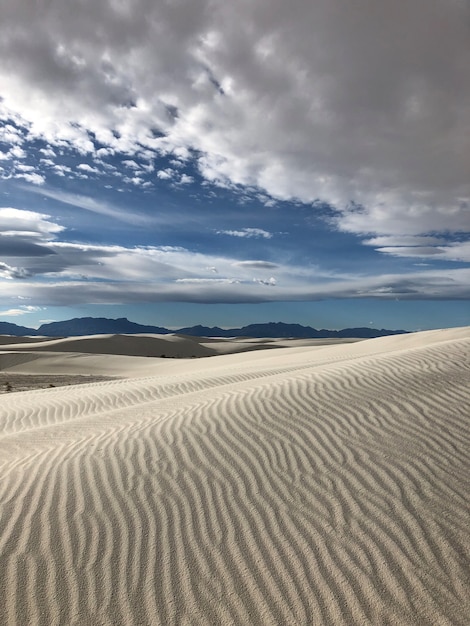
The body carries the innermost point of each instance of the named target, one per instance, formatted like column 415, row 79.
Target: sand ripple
column 295, row 490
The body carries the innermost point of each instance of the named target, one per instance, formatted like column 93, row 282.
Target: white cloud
column 207, row 281
column 10, row 134
column 62, row 170
column 185, row 180
column 131, row 163
column 102, row 153
column 404, row 240
column 457, row 251
column 85, row 167
column 17, row 153
column 402, row 214
column 419, row 251
column 35, row 179
column 50, row 271
column 247, row 232
column 48, row 162
column 19, row 222
column 263, row 265
column 21, row 311
column 90, row 204
column 48, row 152
column 12, row 312
column 165, row 174
column 325, row 99
column 423, row 247
column 270, row 282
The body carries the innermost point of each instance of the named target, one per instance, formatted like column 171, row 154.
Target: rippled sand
column 303, row 485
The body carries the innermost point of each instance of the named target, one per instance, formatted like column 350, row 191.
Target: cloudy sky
column 204, row 161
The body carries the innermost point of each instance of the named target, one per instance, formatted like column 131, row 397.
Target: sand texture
column 309, row 485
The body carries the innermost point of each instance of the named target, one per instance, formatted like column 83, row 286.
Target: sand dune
column 173, row 346
column 303, row 485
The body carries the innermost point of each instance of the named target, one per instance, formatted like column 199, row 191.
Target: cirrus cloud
column 249, row 233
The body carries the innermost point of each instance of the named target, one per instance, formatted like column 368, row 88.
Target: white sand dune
column 291, row 486
column 83, row 356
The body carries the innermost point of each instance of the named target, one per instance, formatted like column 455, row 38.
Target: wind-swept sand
column 303, row 485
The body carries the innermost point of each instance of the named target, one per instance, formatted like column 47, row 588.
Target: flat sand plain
column 290, row 484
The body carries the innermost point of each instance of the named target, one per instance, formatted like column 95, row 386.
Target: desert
column 280, row 482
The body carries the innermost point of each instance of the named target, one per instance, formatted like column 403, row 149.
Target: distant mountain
column 279, row 329
column 17, row 331
column 203, row 331
column 297, row 331
column 122, row 326
column 271, row 329
column 97, row 326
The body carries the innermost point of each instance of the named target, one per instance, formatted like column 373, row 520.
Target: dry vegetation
column 10, row 382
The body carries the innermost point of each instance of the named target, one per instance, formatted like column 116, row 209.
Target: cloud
column 423, row 247
column 247, row 232
column 51, row 271
column 85, row 167
column 9, row 272
column 131, row 163
column 22, row 246
column 90, row 204
column 62, row 170
column 12, row 312
column 21, row 311
column 419, row 251
column 48, row 152
column 405, row 213
column 20, row 222
column 404, row 240
column 270, row 282
column 166, row 174
column 185, row 180
column 458, row 251
column 422, row 285
column 34, row 178
column 207, row 281
column 11, row 135
column 16, row 153
column 341, row 102
column 263, row 265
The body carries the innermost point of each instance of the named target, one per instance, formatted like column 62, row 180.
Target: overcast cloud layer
column 340, row 101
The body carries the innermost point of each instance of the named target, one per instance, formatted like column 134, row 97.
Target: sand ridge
column 309, row 485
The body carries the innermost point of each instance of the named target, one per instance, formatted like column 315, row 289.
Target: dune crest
column 308, row 485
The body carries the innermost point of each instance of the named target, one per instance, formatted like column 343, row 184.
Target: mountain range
column 102, row 325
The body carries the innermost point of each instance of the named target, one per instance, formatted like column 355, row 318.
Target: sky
column 186, row 162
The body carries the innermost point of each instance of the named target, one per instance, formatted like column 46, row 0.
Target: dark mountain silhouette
column 17, row 331
column 97, row 326
column 122, row 326
column 101, row 325
column 203, row 331
column 279, row 329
